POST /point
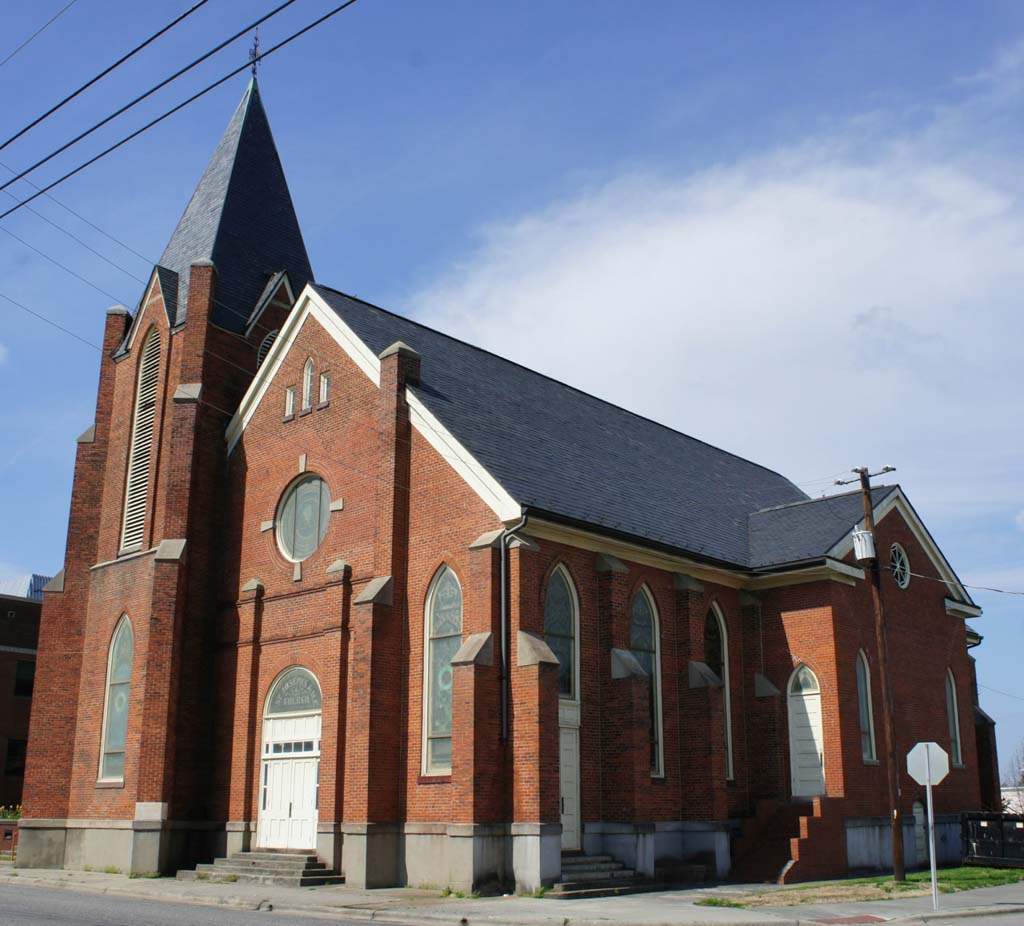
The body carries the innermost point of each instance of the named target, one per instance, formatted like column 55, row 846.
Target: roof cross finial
column 254, row 52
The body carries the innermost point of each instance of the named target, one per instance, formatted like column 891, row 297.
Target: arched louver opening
column 137, row 490
column 264, row 349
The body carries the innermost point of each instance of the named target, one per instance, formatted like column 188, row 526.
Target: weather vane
column 254, row 52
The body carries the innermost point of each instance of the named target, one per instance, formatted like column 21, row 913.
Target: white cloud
column 812, row 308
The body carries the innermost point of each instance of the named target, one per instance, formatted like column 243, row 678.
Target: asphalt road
column 36, row 906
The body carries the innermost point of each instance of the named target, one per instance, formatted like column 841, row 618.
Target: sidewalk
column 410, row 906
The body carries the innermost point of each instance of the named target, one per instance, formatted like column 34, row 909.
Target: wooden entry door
column 289, row 784
column 569, row 772
column 806, row 740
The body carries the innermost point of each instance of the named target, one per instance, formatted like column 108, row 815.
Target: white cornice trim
column 462, row 461
column 279, row 277
column 436, row 434
column 154, row 282
column 961, row 609
column 897, row 501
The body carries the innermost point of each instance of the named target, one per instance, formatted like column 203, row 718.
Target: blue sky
column 793, row 230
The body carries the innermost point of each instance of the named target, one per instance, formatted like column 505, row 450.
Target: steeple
column 241, row 217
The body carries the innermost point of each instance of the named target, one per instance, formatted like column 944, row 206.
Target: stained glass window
column 115, row 725
column 804, row 682
column 444, row 637
column 867, row 723
column 302, row 517
column 644, row 642
column 295, row 692
column 560, row 630
column 716, row 658
column 307, row 385
column 956, row 753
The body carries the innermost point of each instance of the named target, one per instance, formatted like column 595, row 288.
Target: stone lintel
column 170, row 551
column 88, row 435
column 188, row 393
column 56, row 584
column 487, row 539
column 625, row 664
column 604, row 562
column 253, row 587
column 702, row 676
column 477, row 650
column 534, row 651
column 379, row 590
column 338, row 566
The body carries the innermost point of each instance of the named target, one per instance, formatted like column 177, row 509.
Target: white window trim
column 659, row 728
column 324, row 391
column 425, row 770
column 289, row 401
column 726, row 683
column 121, row 622
column 574, row 695
column 307, row 385
column 956, row 746
column 896, row 547
column 864, row 672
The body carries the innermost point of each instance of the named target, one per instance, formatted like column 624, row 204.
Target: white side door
column 806, row 740
column 289, row 784
column 569, row 772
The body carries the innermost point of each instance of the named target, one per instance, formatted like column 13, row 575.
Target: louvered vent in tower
column 265, row 345
column 137, row 491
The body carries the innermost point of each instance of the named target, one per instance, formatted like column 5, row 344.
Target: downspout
column 505, row 539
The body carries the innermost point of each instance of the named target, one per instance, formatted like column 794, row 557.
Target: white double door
column 569, row 772
column 806, row 745
column 289, row 783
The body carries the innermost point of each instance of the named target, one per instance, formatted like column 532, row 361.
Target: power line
column 50, row 322
column 175, row 109
column 102, row 73
column 1005, row 694
column 148, row 93
column 46, row 25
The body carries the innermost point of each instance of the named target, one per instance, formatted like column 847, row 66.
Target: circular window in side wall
column 900, row 565
column 302, row 517
column 264, row 348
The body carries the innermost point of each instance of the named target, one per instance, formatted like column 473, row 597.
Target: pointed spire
column 241, row 217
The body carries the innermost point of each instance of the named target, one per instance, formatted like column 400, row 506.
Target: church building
column 341, row 584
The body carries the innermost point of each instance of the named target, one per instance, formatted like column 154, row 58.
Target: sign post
column 928, row 764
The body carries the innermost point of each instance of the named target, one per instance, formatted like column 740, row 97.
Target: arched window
column 867, row 717
column 644, row 640
column 307, row 385
column 443, row 638
column 716, row 658
column 956, row 753
column 264, row 348
column 560, row 624
column 115, row 708
column 137, row 489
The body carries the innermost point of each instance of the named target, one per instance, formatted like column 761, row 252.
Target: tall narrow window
column 443, row 638
column 137, row 490
column 307, row 385
column 956, row 753
column 325, row 388
column 560, row 629
column 289, row 401
column 716, row 658
column 867, row 718
column 646, row 647
column 115, row 711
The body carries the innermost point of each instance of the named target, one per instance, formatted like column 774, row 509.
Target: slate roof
column 30, row 586
column 241, row 217
column 558, row 451
column 806, row 529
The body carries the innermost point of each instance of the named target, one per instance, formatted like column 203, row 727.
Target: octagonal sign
column 925, row 757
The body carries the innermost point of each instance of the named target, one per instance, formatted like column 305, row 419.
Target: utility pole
column 864, row 547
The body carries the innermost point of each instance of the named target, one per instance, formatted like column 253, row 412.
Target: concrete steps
column 586, row 876
column 288, row 869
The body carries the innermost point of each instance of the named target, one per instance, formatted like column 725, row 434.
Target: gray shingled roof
column 560, row 451
column 241, row 217
column 806, row 530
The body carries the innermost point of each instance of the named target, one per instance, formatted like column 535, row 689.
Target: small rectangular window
column 325, row 388
column 24, row 679
column 14, row 764
column 289, row 402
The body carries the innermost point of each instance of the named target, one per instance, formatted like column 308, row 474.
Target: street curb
column 965, row 913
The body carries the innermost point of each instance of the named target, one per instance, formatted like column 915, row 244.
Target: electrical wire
column 102, row 74
column 188, row 67
column 175, row 109
column 1005, row 694
column 46, row 25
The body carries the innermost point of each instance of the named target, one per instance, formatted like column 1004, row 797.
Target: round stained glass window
column 900, row 565
column 302, row 517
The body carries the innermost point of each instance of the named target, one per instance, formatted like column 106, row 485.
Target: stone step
column 223, row 867
column 588, row 877
column 292, row 864
column 283, row 856
column 609, row 889
column 253, row 877
column 575, row 866
column 576, row 858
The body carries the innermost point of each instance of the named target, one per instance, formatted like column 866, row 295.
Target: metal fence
column 993, row 839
